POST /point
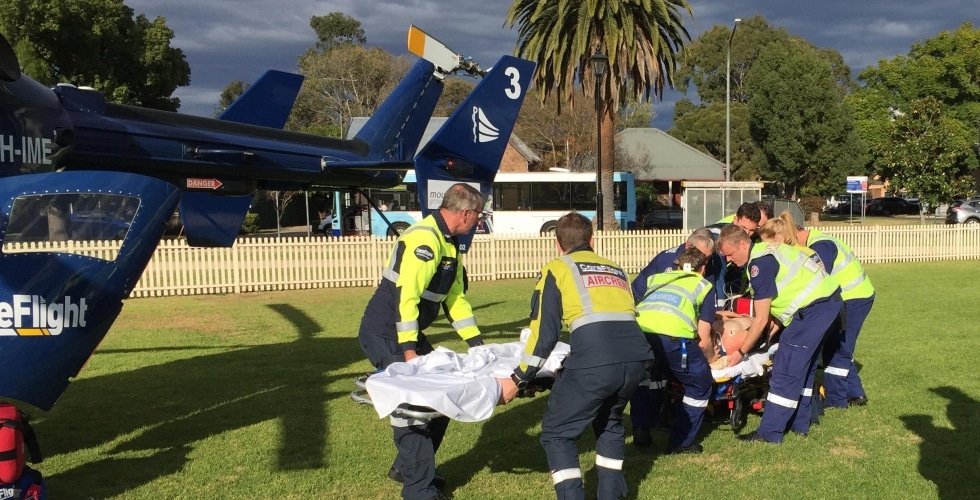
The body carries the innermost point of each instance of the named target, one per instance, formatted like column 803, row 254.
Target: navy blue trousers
column 840, row 376
column 415, row 440
column 794, row 369
column 579, row 399
column 695, row 375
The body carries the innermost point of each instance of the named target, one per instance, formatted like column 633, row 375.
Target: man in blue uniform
column 701, row 238
column 589, row 295
column 787, row 284
column 423, row 273
column 677, row 313
column 750, row 216
column 647, row 401
column 840, row 376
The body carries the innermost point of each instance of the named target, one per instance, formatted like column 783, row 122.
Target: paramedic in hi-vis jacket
column 591, row 296
column 787, row 284
column 840, row 376
column 423, row 274
column 647, row 400
column 677, row 312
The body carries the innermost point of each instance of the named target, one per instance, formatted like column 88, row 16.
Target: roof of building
column 656, row 156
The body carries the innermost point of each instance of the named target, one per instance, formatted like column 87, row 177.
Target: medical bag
column 744, row 306
column 16, row 434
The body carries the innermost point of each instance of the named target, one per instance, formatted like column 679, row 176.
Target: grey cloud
column 228, row 40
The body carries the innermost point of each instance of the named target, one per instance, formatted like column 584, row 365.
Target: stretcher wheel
column 738, row 416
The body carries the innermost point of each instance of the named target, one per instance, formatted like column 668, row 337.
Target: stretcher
column 735, row 394
column 462, row 387
column 736, row 389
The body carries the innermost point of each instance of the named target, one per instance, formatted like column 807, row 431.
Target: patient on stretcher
column 729, row 332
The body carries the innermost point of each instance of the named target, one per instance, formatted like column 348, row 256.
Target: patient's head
column 732, row 333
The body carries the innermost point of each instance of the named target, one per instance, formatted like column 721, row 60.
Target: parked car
column 963, row 212
column 891, row 206
column 780, row 205
column 835, row 201
column 663, row 219
column 846, row 208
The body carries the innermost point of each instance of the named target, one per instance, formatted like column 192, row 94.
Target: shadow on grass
column 506, row 444
column 174, row 404
column 950, row 457
column 509, row 443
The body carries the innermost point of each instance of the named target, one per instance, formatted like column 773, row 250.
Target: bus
column 521, row 203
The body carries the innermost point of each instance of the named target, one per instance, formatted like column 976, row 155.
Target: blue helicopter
column 75, row 167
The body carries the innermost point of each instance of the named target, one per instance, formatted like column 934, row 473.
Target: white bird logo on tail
column 483, row 130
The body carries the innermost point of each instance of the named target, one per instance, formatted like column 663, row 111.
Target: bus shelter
column 707, row 202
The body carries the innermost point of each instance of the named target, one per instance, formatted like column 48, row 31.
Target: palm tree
column 640, row 37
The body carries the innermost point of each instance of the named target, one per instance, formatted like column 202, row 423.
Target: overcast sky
column 227, row 40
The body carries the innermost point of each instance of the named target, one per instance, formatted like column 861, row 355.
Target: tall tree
column 799, row 121
column 336, row 29
column 946, row 68
column 454, row 92
column 635, row 113
column 342, row 83
column 704, row 60
column 704, row 68
column 97, row 43
column 566, row 141
column 925, row 154
column 640, row 37
column 232, row 91
column 703, row 128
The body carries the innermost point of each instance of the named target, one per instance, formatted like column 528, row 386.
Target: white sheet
column 751, row 366
column 462, row 387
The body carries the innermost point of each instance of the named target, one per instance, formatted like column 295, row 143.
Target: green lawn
column 246, row 396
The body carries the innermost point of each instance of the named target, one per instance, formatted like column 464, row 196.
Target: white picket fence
column 291, row 263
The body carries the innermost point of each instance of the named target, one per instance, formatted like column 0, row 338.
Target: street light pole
column 728, row 105
column 598, row 61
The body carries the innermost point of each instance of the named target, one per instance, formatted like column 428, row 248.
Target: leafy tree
column 566, row 141
column 799, row 121
column 924, row 154
column 704, row 60
column 100, row 44
column 635, row 113
column 640, row 37
column 454, row 92
column 342, row 83
column 336, row 29
column 704, row 67
column 945, row 68
column 703, row 127
column 232, row 91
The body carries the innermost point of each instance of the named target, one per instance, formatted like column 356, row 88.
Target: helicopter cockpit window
column 78, row 217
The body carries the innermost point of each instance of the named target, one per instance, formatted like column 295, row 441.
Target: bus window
column 583, row 196
column 508, row 197
column 550, row 196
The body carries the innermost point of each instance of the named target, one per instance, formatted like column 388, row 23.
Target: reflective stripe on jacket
column 799, row 281
column 847, row 270
column 672, row 302
column 590, row 296
column 425, row 269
